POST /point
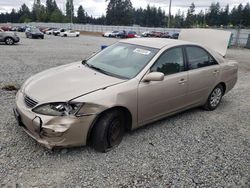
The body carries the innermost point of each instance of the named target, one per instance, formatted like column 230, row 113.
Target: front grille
column 30, row 102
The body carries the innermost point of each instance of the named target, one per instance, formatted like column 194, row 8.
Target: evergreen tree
column 178, row 21
column 81, row 18
column 56, row 16
column 119, row 12
column 246, row 14
column 190, row 20
column 24, row 14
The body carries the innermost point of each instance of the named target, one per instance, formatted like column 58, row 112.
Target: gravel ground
column 192, row 149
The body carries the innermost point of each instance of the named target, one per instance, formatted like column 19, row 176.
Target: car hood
column 66, row 82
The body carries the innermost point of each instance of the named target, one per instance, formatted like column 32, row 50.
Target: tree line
column 122, row 12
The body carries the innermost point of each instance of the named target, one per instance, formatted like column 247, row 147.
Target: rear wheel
column 108, row 131
column 9, row 41
column 214, row 98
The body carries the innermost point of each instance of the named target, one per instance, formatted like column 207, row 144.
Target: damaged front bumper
column 53, row 131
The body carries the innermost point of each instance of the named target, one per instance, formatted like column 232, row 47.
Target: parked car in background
column 147, row 34
column 107, row 34
column 14, row 28
column 165, row 35
column 58, row 31
column 175, row 36
column 8, row 37
column 22, row 28
column 157, row 34
column 34, row 33
column 51, row 31
column 121, row 34
column 111, row 34
column 46, row 29
column 132, row 34
column 114, row 34
column 5, row 27
column 70, row 33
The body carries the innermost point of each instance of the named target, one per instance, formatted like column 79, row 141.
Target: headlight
column 58, row 109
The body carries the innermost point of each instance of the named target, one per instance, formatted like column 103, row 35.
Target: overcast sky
column 98, row 7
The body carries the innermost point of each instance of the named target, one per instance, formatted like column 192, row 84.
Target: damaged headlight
column 58, row 109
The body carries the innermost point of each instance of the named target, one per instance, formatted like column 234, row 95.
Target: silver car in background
column 8, row 37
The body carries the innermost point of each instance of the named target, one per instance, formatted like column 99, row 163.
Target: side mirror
column 153, row 76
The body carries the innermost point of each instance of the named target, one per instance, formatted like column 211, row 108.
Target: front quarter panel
column 120, row 95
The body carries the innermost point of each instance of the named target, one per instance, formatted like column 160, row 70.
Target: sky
column 98, row 7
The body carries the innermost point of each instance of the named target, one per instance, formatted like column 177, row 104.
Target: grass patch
column 10, row 87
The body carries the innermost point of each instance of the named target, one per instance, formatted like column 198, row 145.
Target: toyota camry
column 125, row 86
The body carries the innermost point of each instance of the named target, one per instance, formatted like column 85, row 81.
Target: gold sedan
column 125, row 86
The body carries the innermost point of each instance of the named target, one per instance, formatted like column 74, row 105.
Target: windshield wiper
column 84, row 62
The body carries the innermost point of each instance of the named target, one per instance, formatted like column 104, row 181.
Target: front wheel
column 9, row 41
column 108, row 131
column 214, row 98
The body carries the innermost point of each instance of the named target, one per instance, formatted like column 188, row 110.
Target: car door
column 72, row 33
column 158, row 98
column 203, row 74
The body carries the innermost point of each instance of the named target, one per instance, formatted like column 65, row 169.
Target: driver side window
column 170, row 62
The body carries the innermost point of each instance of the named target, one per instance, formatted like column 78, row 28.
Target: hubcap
column 9, row 41
column 215, row 97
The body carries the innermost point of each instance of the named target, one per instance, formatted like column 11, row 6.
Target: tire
column 42, row 37
column 77, row 35
column 9, row 41
column 214, row 98
column 108, row 131
column 65, row 35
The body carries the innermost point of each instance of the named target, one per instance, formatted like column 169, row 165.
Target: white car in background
column 58, row 31
column 70, row 33
column 50, row 32
column 110, row 34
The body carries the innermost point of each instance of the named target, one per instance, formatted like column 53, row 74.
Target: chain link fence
column 239, row 36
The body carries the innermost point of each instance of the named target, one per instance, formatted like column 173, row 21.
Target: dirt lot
column 192, row 149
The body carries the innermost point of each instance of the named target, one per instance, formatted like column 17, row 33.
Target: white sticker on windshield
column 142, row 51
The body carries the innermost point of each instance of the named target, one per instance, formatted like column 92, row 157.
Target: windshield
column 35, row 30
column 122, row 60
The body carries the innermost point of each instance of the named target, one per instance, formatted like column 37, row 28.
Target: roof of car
column 155, row 42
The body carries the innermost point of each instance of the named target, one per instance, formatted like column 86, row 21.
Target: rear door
column 203, row 74
column 158, row 98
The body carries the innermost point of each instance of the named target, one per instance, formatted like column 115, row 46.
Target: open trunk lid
column 217, row 40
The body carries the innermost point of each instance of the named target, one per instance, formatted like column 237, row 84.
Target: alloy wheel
column 215, row 97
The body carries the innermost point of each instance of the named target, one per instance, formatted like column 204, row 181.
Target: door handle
column 182, row 81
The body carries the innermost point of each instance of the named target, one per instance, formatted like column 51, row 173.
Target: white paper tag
column 142, row 51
